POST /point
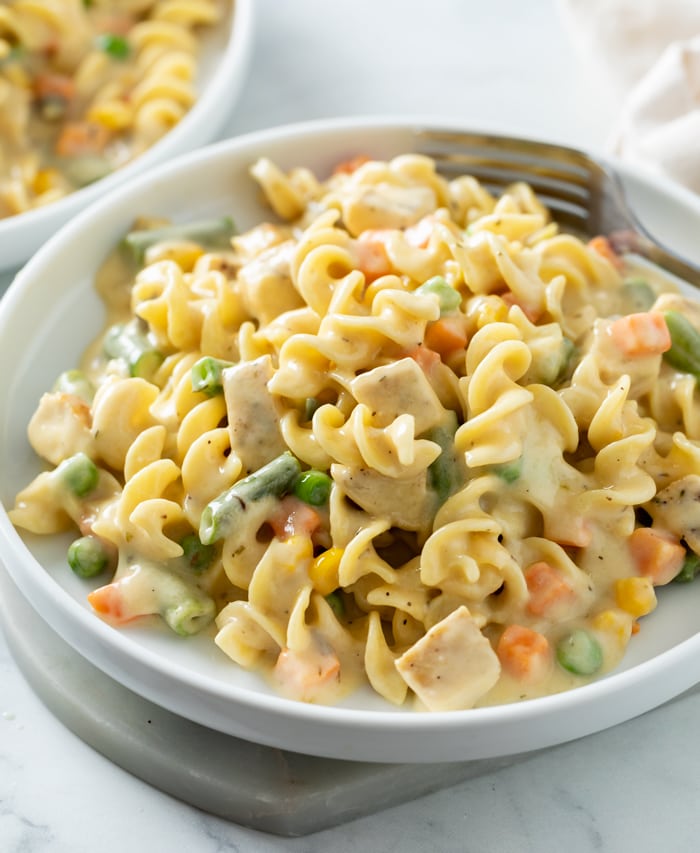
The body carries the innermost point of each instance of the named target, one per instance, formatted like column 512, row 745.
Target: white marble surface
column 507, row 65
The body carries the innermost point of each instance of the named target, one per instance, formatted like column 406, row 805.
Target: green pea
column 190, row 615
column 580, row 653
column 78, row 474
column 313, row 487
column 638, row 295
column 113, row 45
column 88, row 556
column 448, row 297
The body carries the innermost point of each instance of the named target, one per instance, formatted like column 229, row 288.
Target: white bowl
column 48, row 316
column 223, row 63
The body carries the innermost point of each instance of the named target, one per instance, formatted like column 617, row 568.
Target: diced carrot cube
column 54, row 85
column 347, row 167
column 84, row 137
column 657, row 554
column 446, row 335
column 294, row 517
column 524, row 654
column 107, row 600
column 547, row 588
column 425, row 358
column 641, row 334
column 372, row 257
column 603, row 247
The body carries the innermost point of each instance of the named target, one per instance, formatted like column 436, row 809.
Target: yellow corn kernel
column 616, row 623
column 114, row 115
column 324, row 571
column 45, row 180
column 635, row 595
column 184, row 252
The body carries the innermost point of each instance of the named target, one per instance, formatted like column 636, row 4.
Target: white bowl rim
column 39, row 587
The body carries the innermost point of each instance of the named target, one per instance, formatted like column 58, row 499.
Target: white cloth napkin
column 647, row 54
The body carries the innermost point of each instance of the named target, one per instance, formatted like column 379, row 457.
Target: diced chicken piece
column 252, row 243
column 397, row 389
column 266, row 283
column 406, row 503
column 677, row 510
column 452, row 666
column 253, row 420
column 303, row 675
column 37, row 510
column 387, row 206
column 60, row 427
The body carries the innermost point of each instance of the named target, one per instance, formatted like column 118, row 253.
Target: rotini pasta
column 413, row 437
column 86, row 87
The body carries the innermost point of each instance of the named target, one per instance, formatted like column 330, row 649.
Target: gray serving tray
column 267, row 789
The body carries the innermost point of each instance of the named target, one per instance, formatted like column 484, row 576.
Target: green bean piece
column 113, row 45
column 78, row 474
column 211, row 233
column 637, row 295
column 552, row 366
column 689, row 569
column 220, row 516
column 311, row 404
column 88, row 556
column 510, row 471
column 75, row 382
column 443, row 473
column 568, row 354
column 336, row 602
column 580, row 653
column 190, row 615
column 684, row 354
column 313, row 487
column 197, row 556
column 207, row 375
column 128, row 342
column 449, row 298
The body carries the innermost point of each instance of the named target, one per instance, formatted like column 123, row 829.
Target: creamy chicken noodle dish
column 403, row 434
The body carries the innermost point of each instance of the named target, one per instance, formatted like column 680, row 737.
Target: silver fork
column 584, row 194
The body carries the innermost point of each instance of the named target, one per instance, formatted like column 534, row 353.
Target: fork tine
column 544, row 181
column 569, row 204
column 449, row 141
column 562, row 179
column 583, row 194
